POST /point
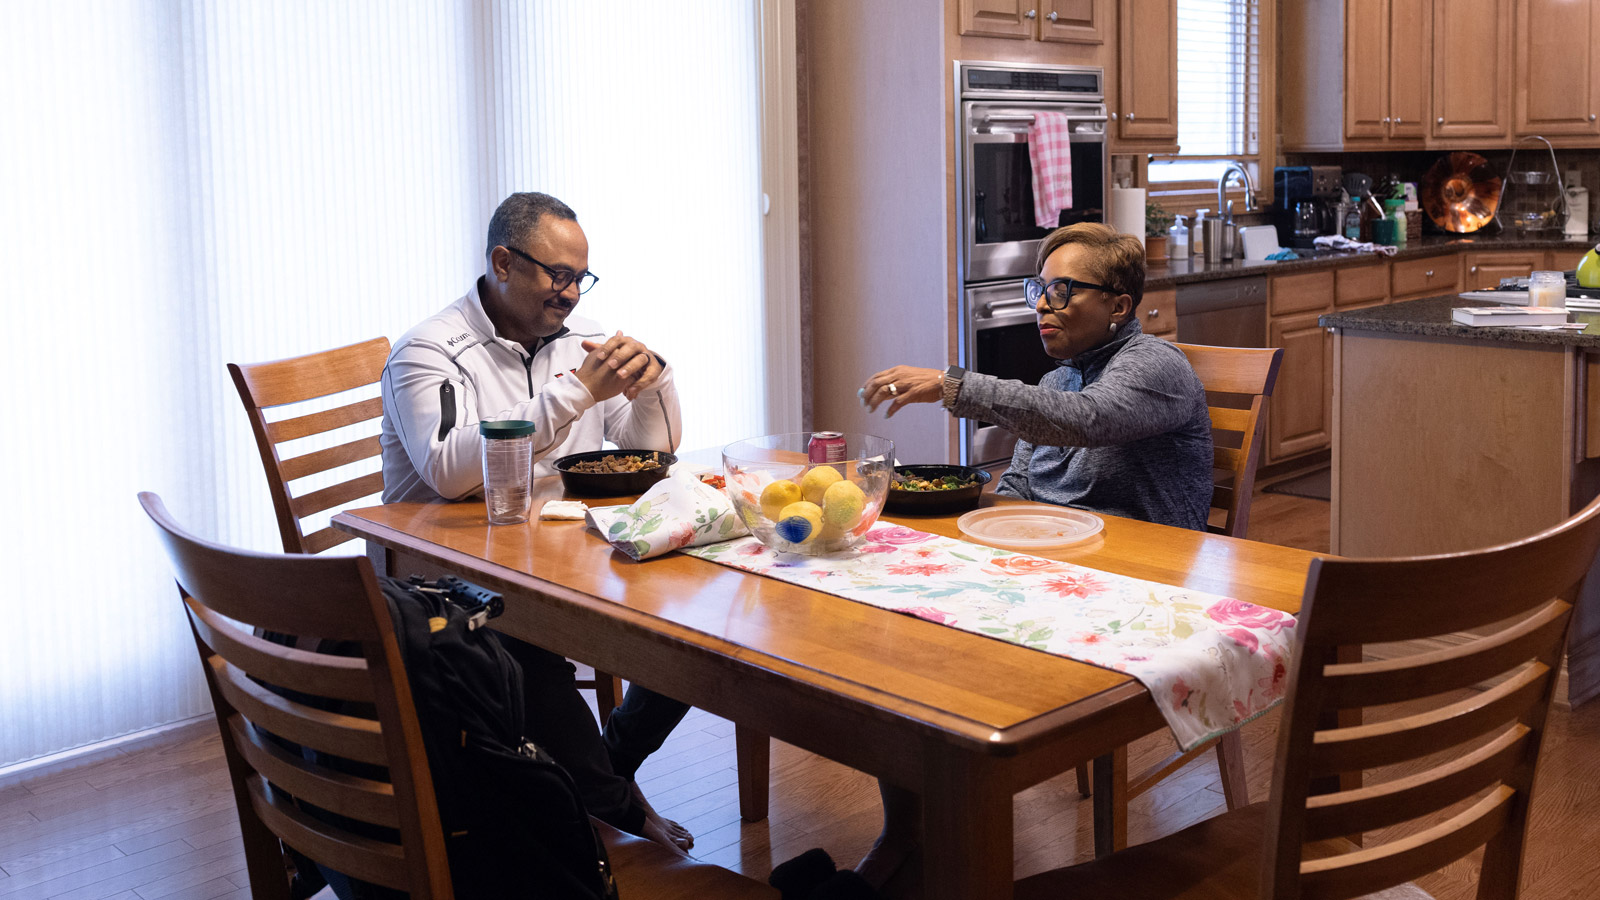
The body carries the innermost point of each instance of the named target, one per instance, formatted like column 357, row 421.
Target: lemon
column 842, row 504
column 816, row 481
column 799, row 522
column 777, row 495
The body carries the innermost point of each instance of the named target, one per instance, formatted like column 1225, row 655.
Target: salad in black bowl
column 935, row 489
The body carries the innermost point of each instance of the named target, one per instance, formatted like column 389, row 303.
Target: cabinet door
column 1555, row 70
column 1472, row 69
column 1564, row 261
column 1157, row 313
column 1302, row 403
column 1408, row 69
column 998, row 18
column 1482, row 271
column 1366, row 69
column 1073, row 21
column 1147, row 111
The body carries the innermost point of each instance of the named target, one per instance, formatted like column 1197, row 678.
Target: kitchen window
column 1220, row 97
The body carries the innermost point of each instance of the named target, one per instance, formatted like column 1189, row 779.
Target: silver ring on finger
column 893, row 391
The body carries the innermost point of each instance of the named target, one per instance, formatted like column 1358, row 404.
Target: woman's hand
column 902, row 385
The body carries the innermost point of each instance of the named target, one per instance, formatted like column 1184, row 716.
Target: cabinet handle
column 1385, row 120
column 1030, row 13
column 1473, row 270
column 1130, row 117
column 1591, row 117
column 1052, row 17
column 1397, row 120
column 1430, row 273
column 1441, row 120
column 1113, row 117
column 1153, row 313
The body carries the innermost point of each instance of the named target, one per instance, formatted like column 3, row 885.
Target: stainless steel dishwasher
column 1227, row 313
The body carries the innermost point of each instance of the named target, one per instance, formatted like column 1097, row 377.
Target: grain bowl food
column 935, row 489
column 613, row 473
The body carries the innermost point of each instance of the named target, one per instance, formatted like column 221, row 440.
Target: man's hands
column 621, row 365
column 902, row 385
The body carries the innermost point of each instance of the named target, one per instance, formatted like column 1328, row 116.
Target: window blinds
column 1219, row 85
column 198, row 182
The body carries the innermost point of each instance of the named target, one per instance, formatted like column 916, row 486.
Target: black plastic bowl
column 933, row 502
column 613, row 484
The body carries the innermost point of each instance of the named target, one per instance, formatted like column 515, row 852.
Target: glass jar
column 1547, row 289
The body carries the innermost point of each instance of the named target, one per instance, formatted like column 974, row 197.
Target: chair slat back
column 1461, row 726
column 1243, row 376
column 363, row 803
column 269, row 385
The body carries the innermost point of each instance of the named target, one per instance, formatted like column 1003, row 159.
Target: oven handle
column 1006, row 317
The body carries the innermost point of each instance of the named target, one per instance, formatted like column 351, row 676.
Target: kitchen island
column 1448, row 437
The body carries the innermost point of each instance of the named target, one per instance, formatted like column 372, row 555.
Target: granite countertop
column 1431, row 316
column 1196, row 269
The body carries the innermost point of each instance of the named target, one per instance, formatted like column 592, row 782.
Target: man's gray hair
column 518, row 217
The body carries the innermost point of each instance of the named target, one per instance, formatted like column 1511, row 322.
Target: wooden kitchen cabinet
column 1557, row 79
column 1425, row 277
column 1472, row 90
column 1300, row 414
column 1146, row 109
column 1065, row 21
column 1484, row 269
column 1355, row 74
column 1363, row 285
column 1158, row 313
column 1563, row 260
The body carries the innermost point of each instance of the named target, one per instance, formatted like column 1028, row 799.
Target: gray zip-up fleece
column 1122, row 429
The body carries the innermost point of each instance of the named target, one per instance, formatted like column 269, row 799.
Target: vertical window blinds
column 193, row 183
column 1219, row 86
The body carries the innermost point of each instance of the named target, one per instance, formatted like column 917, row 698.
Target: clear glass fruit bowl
column 796, row 506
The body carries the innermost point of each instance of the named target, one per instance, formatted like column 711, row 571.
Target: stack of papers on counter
column 1509, row 316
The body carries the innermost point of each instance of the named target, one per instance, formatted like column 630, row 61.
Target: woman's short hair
column 1117, row 261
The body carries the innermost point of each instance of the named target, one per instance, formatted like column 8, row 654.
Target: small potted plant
column 1156, row 222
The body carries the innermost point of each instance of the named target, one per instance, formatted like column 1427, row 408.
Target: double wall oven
column 999, row 236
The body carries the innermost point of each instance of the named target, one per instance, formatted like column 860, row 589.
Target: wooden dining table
column 964, row 720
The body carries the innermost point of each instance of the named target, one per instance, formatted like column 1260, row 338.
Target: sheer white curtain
column 187, row 184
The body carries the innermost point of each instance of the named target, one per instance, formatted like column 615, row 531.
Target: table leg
column 753, row 752
column 967, row 829
column 1111, row 802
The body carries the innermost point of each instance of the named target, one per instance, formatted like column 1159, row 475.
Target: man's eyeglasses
column 560, row 278
column 1057, row 292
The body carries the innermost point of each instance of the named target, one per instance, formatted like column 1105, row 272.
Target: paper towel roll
column 1127, row 211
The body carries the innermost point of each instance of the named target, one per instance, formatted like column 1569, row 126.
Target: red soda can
column 826, row 447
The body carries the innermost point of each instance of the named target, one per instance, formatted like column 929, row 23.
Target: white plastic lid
column 1029, row 527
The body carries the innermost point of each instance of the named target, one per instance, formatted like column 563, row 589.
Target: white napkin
column 564, row 509
column 678, row 511
column 1340, row 242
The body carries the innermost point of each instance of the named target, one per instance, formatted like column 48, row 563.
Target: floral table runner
column 1211, row 663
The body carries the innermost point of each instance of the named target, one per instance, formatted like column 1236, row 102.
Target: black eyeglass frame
column 1035, row 287
column 560, row 278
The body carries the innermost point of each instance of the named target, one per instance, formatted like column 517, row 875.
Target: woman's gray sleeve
column 1014, row 482
column 1144, row 391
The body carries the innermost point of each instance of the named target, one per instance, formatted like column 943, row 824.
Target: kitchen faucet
column 1249, row 188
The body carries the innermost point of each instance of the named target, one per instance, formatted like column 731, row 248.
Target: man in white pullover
column 511, row 349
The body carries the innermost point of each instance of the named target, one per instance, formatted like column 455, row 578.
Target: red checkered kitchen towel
column 1050, row 151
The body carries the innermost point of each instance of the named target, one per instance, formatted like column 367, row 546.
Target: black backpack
column 514, row 824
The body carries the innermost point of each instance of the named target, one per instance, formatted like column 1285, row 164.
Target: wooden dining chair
column 226, row 594
column 1238, row 382
column 1451, row 754
column 300, row 380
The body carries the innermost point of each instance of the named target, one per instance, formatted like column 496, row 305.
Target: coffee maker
column 1304, row 204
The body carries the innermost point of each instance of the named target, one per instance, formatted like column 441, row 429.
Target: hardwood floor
column 155, row 819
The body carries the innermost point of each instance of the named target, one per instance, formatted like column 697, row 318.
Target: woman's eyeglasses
column 1057, row 292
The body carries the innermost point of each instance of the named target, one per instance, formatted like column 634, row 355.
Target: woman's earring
column 1112, row 327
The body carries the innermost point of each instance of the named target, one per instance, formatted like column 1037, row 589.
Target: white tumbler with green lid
column 507, row 469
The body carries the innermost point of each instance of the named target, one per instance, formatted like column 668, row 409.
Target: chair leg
column 607, row 694
column 1230, row 760
column 752, row 750
column 1083, row 780
column 1111, row 802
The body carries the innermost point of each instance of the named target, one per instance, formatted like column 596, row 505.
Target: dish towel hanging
column 1050, row 152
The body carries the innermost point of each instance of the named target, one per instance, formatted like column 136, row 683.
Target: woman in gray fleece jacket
column 1121, row 427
